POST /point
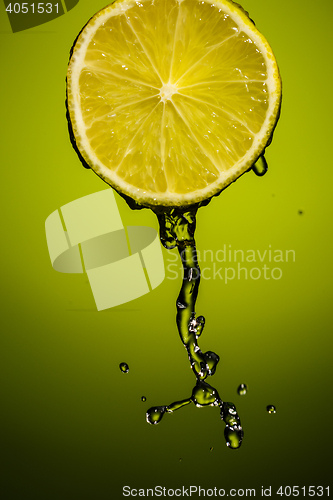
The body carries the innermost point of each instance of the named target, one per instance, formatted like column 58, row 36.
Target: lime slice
column 171, row 101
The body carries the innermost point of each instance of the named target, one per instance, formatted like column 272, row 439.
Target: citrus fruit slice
column 172, row 100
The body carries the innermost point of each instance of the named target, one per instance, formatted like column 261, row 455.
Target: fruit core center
column 167, row 91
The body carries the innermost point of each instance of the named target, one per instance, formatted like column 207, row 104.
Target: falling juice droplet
column 233, row 431
column 143, row 398
column 271, row 409
column 233, row 437
column 211, row 448
column 260, row 167
column 242, row 389
column 124, row 367
column 154, row 415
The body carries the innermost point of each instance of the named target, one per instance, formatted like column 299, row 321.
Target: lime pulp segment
column 173, row 98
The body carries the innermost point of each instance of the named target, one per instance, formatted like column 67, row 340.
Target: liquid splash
column 204, row 394
column 177, row 227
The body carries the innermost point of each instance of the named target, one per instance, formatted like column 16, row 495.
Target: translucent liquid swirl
column 177, row 228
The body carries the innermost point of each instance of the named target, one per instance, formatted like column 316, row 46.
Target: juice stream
column 177, row 227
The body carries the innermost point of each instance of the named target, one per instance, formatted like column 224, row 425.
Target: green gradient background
column 72, row 425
